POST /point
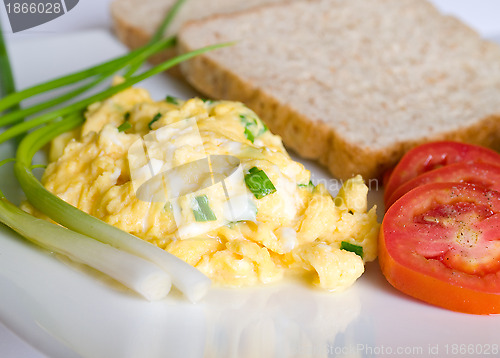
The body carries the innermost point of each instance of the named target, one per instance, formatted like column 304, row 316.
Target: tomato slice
column 440, row 243
column 427, row 157
column 482, row 174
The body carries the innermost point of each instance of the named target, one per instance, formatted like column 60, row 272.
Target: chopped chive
column 249, row 135
column 172, row 100
column 259, row 183
column 358, row 250
column 155, row 118
column 254, row 170
column 309, row 185
column 126, row 118
column 124, row 126
column 202, row 211
column 253, row 127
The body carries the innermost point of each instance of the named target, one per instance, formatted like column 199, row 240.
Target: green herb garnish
column 124, row 127
column 249, row 135
column 202, row 211
column 253, row 127
column 310, row 185
column 358, row 250
column 126, row 124
column 259, row 183
column 172, row 100
column 155, row 118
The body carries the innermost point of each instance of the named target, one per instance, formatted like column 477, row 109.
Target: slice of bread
column 352, row 83
column 135, row 21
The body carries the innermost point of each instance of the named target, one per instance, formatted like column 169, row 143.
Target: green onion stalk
column 106, row 70
column 138, row 264
column 82, row 104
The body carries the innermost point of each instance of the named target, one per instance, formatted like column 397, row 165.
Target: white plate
column 65, row 311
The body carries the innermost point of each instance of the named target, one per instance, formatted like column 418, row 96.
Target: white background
column 93, row 14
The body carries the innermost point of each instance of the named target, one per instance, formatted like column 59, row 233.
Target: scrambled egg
column 285, row 224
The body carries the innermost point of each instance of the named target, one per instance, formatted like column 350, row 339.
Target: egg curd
column 284, row 224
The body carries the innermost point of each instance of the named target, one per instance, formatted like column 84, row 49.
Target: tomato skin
column 425, row 278
column 482, row 174
column 429, row 156
column 434, row 291
column 386, row 177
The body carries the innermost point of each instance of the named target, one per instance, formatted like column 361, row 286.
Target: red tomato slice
column 427, row 157
column 440, row 243
column 386, row 177
column 482, row 174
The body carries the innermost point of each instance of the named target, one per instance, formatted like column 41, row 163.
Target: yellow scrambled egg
column 284, row 224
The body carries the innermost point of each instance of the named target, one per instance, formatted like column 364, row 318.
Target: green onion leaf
column 310, row 185
column 253, row 127
column 160, row 32
column 124, row 126
column 155, row 118
column 142, row 276
column 136, row 56
column 172, row 100
column 81, row 105
column 8, row 160
column 186, row 278
column 249, row 135
column 7, row 84
column 358, row 250
column 259, row 183
column 37, row 166
column 202, row 211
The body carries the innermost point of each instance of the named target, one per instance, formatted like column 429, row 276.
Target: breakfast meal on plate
column 363, row 87
column 282, row 222
column 155, row 194
column 440, row 237
column 353, row 84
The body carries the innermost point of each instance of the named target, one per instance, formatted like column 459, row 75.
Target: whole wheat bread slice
column 352, row 83
column 135, row 21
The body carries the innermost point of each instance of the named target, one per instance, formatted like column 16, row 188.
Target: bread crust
column 134, row 37
column 315, row 139
column 312, row 139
